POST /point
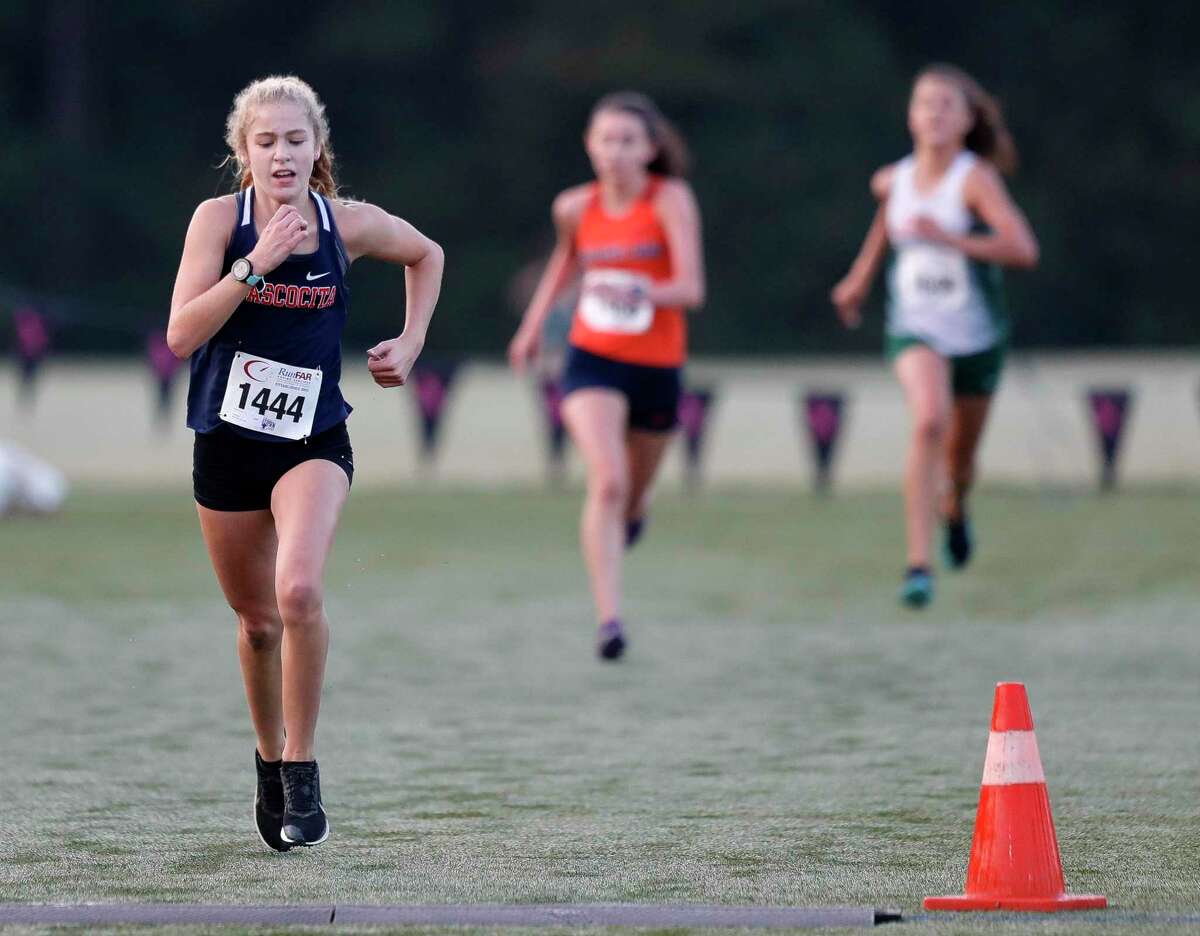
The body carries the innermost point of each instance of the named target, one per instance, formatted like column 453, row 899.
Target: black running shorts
column 233, row 472
column 652, row 392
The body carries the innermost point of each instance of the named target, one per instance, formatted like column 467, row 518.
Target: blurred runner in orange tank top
column 634, row 236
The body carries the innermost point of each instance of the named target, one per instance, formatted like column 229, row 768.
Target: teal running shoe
column 917, row 590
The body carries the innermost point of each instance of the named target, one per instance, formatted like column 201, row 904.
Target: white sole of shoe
column 324, row 836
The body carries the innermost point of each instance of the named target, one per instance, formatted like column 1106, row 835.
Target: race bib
column 932, row 278
column 269, row 397
column 615, row 301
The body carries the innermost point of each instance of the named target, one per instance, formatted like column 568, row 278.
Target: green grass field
column 781, row 733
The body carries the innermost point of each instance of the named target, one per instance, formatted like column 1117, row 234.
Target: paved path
column 677, row 915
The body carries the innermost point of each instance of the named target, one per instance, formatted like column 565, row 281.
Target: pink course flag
column 1109, row 407
column 33, row 344
column 551, row 393
column 33, row 336
column 695, row 408
column 823, row 412
column 431, row 385
column 165, row 366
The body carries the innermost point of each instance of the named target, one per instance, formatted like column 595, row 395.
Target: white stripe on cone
column 1012, row 757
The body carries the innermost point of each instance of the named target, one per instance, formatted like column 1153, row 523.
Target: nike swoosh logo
column 310, row 277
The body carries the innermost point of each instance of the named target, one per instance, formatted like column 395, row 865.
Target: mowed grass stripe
column 781, row 734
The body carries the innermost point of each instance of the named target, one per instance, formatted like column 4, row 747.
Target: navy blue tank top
column 296, row 318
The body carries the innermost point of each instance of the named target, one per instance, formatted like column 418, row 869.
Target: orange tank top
column 605, row 323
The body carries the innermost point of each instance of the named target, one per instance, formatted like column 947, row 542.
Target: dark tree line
column 466, row 118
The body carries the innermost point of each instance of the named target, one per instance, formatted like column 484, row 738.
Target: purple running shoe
column 610, row 640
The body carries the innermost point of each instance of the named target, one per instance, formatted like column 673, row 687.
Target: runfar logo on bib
column 257, row 369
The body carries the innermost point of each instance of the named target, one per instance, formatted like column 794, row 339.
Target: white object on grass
column 27, row 484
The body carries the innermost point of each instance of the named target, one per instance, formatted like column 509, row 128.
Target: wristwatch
column 242, row 270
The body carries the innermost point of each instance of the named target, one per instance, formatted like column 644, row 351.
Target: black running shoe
column 268, row 803
column 633, row 531
column 959, row 544
column 304, row 821
column 610, row 640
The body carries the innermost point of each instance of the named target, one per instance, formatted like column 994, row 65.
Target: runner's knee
column 931, row 425
column 300, row 598
column 260, row 628
column 610, row 485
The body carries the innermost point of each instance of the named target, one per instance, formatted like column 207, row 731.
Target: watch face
column 240, row 269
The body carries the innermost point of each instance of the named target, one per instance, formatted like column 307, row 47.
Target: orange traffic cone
column 1014, row 863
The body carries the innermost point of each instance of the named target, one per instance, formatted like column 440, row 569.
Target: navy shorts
column 652, row 392
column 233, row 472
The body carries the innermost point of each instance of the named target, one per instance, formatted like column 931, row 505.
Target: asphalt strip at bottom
column 649, row 915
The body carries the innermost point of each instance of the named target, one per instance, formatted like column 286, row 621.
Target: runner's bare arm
column 875, row 245
column 852, row 291
column 203, row 299
column 562, row 267
column 881, row 182
column 369, row 231
column 1011, row 241
column 680, row 217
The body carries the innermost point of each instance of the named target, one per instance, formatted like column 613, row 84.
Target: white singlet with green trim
column 938, row 295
